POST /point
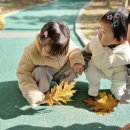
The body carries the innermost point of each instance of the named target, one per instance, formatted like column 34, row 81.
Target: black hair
column 118, row 18
column 59, row 33
column 128, row 21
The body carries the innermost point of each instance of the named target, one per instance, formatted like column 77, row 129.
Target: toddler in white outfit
column 110, row 54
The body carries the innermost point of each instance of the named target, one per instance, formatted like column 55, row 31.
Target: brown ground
column 89, row 20
column 8, row 6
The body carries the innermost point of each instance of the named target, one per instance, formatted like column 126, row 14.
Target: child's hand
column 78, row 68
column 36, row 98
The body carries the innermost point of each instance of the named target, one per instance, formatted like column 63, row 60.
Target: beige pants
column 43, row 75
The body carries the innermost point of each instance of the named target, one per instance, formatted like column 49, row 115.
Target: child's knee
column 42, row 78
column 69, row 75
column 38, row 72
column 93, row 75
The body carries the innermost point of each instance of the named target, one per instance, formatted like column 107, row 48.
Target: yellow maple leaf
column 60, row 93
column 104, row 104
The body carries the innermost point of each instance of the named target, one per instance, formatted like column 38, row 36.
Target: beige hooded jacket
column 33, row 56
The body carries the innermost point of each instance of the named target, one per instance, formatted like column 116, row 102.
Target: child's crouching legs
column 65, row 74
column 93, row 76
column 43, row 78
column 118, row 86
column 69, row 75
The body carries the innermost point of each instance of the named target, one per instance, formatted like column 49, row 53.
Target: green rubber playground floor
column 15, row 112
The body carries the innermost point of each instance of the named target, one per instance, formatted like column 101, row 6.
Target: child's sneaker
column 92, row 92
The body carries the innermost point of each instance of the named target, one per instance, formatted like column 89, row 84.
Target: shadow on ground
column 91, row 126
column 12, row 102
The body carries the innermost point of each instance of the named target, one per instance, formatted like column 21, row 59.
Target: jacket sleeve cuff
column 75, row 61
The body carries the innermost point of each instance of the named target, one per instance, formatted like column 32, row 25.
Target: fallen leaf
column 61, row 93
column 104, row 104
column 90, row 102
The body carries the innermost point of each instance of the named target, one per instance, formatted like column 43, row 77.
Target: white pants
column 119, row 80
column 126, row 95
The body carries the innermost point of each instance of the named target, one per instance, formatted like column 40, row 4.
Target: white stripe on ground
column 17, row 34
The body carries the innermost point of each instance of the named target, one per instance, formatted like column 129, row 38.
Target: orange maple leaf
column 104, row 104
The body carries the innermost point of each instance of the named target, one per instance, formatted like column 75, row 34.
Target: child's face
column 106, row 34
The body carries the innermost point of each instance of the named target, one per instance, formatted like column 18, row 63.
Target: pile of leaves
column 104, row 104
column 59, row 94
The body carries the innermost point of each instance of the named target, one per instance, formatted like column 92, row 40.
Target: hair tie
column 46, row 34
